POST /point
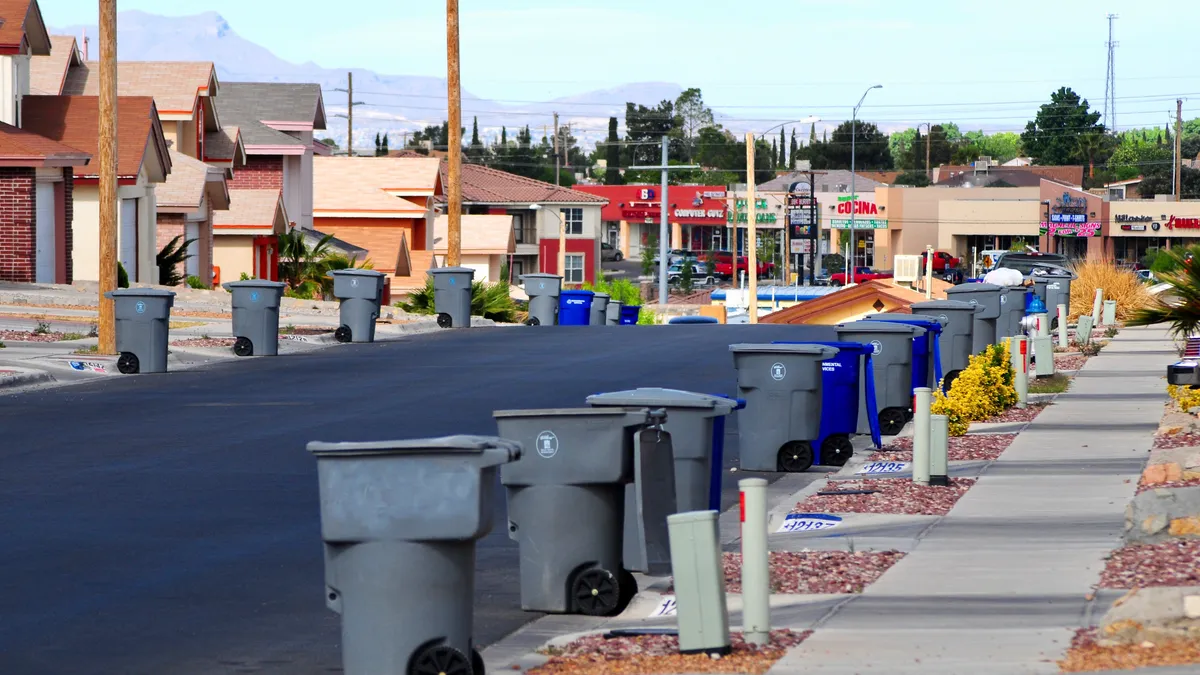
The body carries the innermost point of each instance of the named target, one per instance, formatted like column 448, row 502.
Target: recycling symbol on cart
column 778, row 372
column 973, row 301
column 547, row 444
column 876, row 347
column 1003, row 299
column 140, row 307
column 453, row 281
column 354, row 282
column 254, row 296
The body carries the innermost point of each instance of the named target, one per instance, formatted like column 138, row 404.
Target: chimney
column 85, row 45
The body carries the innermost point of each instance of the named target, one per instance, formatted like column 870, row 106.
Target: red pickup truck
column 942, row 261
column 861, row 274
column 723, row 265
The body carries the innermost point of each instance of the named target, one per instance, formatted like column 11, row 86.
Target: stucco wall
column 234, row 254
column 959, row 219
column 85, row 253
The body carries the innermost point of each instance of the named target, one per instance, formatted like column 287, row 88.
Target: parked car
column 610, row 253
column 676, row 256
column 1025, row 262
column 675, row 272
column 988, row 259
column 1146, row 276
column 723, row 265
column 861, row 274
column 942, row 261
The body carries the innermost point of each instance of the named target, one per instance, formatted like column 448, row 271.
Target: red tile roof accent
column 75, row 121
column 485, row 185
column 19, row 147
column 17, row 17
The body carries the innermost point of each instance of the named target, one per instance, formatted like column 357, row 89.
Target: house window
column 572, row 220
column 524, row 232
column 573, row 274
column 516, row 269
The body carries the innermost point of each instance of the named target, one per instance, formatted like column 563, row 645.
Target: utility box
column 143, row 318
column 256, row 316
column 699, row 575
column 399, row 520
column 1043, row 352
column 452, row 295
column 361, row 293
column 543, row 291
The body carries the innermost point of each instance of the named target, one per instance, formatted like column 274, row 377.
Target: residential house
column 186, row 203
column 536, row 230
column 487, row 243
column 384, row 205
column 851, row 304
column 246, row 235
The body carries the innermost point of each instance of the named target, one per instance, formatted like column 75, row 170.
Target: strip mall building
column 696, row 214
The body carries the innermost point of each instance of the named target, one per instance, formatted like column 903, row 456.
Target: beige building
column 247, row 242
column 487, row 241
column 956, row 220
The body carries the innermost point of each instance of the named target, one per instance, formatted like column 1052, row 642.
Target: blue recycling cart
column 575, row 308
column 718, row 455
column 927, row 351
column 693, row 319
column 845, row 379
column 629, row 315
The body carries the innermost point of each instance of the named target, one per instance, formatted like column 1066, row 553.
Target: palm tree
column 1180, row 305
column 298, row 262
column 1091, row 145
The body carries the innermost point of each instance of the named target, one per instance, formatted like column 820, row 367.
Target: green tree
column 612, row 155
column 870, row 147
column 378, row 144
column 900, row 144
column 783, row 163
column 476, row 151
column 692, row 116
column 644, row 129
column 1001, row 147
column 1052, row 137
column 648, row 252
column 384, row 147
column 913, row 178
column 941, row 150
column 792, row 156
column 774, row 154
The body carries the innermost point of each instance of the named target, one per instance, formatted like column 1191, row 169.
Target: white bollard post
column 1096, row 306
column 1018, row 353
column 756, row 568
column 1110, row 312
column 939, row 450
column 1083, row 329
column 1062, row 327
column 922, row 401
column 700, row 609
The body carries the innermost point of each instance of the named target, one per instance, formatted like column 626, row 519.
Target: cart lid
column 460, row 444
column 794, row 348
column 657, row 397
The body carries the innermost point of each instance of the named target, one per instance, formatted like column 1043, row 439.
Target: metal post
column 939, row 450
column 1019, row 356
column 663, row 233
column 1096, row 304
column 756, row 567
column 922, row 402
column 853, row 194
column 928, row 272
column 699, row 583
column 1062, row 326
column 751, row 233
column 815, row 238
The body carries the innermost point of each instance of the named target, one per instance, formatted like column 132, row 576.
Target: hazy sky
column 983, row 64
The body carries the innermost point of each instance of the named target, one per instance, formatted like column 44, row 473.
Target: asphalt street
column 169, row 524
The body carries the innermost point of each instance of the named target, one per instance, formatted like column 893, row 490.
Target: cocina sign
column 860, row 208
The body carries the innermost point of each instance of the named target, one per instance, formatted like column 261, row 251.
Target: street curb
column 14, row 378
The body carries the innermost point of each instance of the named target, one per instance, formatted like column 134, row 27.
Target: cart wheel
column 128, row 364
column 891, row 421
column 440, row 660
column 795, row 457
column 477, row 662
column 532, row 321
column 836, row 450
column 950, row 378
column 342, row 334
column 629, row 587
column 243, row 347
column 1054, row 324
column 596, row 592
column 444, row 320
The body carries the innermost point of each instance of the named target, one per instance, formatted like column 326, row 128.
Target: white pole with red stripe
column 1019, row 353
column 756, row 568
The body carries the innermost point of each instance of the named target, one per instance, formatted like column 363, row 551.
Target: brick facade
column 262, row 172
column 18, row 251
column 170, row 225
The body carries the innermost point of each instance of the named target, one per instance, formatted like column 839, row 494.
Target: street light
column 562, row 240
column 853, row 197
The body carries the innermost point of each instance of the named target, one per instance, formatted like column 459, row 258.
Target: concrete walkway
column 1000, row 584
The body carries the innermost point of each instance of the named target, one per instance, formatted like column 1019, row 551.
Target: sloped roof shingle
column 250, row 104
column 21, row 147
column 184, row 188
column 825, row 181
column 253, row 210
column 485, row 185
column 175, row 85
column 48, row 74
column 362, row 183
column 75, row 121
column 21, row 20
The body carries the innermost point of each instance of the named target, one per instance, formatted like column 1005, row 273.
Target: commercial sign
column 801, row 201
column 688, row 205
column 802, row 245
column 1070, row 229
column 760, row 218
column 1183, row 223
column 848, row 205
column 1126, row 218
column 699, row 213
column 1133, row 228
column 859, row 223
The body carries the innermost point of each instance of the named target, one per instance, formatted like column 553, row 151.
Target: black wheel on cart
column 836, row 450
column 795, row 457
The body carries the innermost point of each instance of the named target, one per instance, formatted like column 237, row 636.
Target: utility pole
column 663, row 224
column 1110, row 81
column 107, row 160
column 454, row 151
column 853, row 194
column 928, row 141
column 1178, row 149
column 350, row 103
column 556, row 164
column 751, row 232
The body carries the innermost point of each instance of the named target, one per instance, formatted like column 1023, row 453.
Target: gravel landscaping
column 29, row 336
column 815, row 571
column 659, row 655
column 213, row 343
column 969, row 448
column 890, row 495
column 1087, row 655
column 1189, row 482
column 1169, row 441
column 1171, row 563
column 1069, row 361
column 1015, row 414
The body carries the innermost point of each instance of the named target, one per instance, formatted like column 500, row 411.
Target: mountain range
column 394, row 104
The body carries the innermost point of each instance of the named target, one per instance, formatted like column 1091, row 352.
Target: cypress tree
column 503, row 135
column 612, row 155
column 774, row 153
column 475, row 133
column 383, row 149
column 377, row 144
column 792, row 156
column 782, row 149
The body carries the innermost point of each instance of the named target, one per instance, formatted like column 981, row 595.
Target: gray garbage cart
column 255, row 316
column 957, row 335
column 566, row 505
column 143, row 324
column 360, row 292
column 781, row 384
column 400, row 520
column 1012, row 310
column 613, row 317
column 987, row 297
column 452, row 295
column 543, row 291
column 1054, row 288
column 893, row 363
column 599, row 309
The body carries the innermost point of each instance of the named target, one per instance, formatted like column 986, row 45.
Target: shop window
column 573, row 272
column 572, row 220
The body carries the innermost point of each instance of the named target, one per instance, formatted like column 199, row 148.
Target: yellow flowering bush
column 1185, row 397
column 982, row 390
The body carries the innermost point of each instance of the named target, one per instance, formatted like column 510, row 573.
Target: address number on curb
column 883, row 467
column 808, row 522
column 665, row 607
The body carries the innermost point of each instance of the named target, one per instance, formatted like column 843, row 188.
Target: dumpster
column 629, row 314
column 452, row 296
column 1054, row 288
column 781, row 384
column 986, row 296
column 956, row 336
column 360, row 292
column 613, row 312
column 599, row 315
column 401, row 571
column 256, row 316
column 543, row 290
column 847, row 378
column 1013, row 301
column 927, row 349
column 566, row 505
column 143, row 317
column 575, row 308
column 892, row 359
column 693, row 319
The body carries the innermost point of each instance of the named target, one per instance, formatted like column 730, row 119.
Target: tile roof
column 360, row 183
column 485, row 185
column 221, row 145
column 21, row 147
column 184, row 187
column 1015, row 177
column 826, row 181
column 1071, row 175
column 74, row 120
column 481, row 234
column 253, row 210
column 48, row 74
column 175, row 85
column 405, row 153
column 811, row 311
column 21, row 20
column 250, row 104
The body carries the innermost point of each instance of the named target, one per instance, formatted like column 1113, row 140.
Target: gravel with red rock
column 29, row 336
column 659, row 655
column 305, row 331
column 1189, row 482
column 213, row 343
column 892, row 495
column 969, row 448
column 816, row 571
column 1087, row 655
column 1015, row 414
column 1171, row 563
column 1170, row 441
column 1069, row 361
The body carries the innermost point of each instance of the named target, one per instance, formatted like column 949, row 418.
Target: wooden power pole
column 751, row 235
column 107, row 170
column 557, row 165
column 928, row 169
column 349, row 114
column 1178, row 149
column 454, row 151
